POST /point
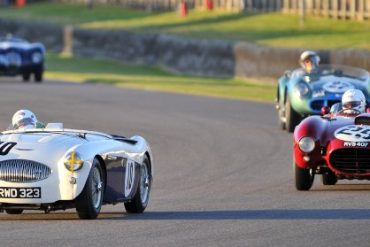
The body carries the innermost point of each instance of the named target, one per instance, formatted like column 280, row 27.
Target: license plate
column 33, row 192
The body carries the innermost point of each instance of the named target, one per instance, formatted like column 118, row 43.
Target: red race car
column 335, row 145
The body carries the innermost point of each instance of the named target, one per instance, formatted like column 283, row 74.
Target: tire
column 89, row 202
column 141, row 198
column 26, row 77
column 292, row 117
column 303, row 178
column 329, row 178
column 281, row 116
column 281, row 111
column 38, row 75
column 13, row 211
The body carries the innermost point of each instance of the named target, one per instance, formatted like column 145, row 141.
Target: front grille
column 351, row 160
column 318, row 104
column 23, row 171
column 14, row 59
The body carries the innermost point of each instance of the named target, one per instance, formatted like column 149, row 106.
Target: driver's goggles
column 352, row 104
column 24, row 122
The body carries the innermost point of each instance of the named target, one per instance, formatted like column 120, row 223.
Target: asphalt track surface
column 223, row 175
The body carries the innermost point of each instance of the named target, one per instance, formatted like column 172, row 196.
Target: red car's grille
column 351, row 160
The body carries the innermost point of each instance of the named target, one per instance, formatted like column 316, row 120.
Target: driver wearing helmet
column 25, row 119
column 309, row 61
column 353, row 102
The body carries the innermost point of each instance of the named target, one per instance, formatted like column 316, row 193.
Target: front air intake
column 351, row 160
column 23, row 171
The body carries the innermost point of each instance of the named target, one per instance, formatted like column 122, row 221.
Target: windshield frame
column 334, row 70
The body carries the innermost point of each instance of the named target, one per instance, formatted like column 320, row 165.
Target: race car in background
column 19, row 57
column 300, row 95
column 55, row 169
column 336, row 145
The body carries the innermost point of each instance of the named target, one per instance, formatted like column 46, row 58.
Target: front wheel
column 89, row 202
column 141, row 198
column 303, row 178
column 38, row 75
column 26, row 77
column 329, row 178
column 13, row 211
column 291, row 116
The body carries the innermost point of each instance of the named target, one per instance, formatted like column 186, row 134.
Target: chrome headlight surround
column 37, row 57
column 306, row 144
column 73, row 161
column 4, row 60
column 302, row 89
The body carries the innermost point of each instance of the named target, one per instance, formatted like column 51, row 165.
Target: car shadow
column 243, row 215
column 261, row 214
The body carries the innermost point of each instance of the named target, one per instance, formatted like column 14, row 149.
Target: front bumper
column 13, row 70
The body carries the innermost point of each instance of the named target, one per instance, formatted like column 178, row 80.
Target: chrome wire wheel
column 96, row 188
column 88, row 203
column 139, row 201
column 144, row 184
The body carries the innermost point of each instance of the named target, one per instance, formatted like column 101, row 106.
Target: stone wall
column 48, row 34
column 180, row 55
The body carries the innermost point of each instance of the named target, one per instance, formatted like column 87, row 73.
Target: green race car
column 300, row 94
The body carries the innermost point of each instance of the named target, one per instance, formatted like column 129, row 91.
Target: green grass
column 274, row 29
column 147, row 77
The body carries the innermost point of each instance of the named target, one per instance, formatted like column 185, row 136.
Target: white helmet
column 354, row 100
column 309, row 55
column 24, row 118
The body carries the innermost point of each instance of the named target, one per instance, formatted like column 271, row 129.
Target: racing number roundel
column 129, row 177
column 353, row 133
column 337, row 86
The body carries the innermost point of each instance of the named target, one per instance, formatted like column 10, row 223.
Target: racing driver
column 25, row 119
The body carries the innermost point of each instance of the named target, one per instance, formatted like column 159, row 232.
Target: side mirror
column 325, row 110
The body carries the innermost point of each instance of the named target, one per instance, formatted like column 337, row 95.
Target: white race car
column 55, row 168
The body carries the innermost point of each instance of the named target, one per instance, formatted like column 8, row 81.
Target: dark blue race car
column 20, row 57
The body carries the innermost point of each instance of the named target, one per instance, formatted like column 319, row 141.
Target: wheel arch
column 104, row 168
column 150, row 164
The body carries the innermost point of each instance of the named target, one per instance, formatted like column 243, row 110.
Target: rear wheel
column 13, row 211
column 89, row 202
column 281, row 112
column 303, row 178
column 329, row 178
column 292, row 117
column 141, row 198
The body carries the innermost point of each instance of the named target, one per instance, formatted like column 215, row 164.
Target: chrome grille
column 23, row 171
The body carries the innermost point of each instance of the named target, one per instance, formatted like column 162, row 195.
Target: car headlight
column 73, row 161
column 4, row 60
column 306, row 144
column 37, row 57
column 302, row 89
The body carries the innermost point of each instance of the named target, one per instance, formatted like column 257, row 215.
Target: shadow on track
column 263, row 214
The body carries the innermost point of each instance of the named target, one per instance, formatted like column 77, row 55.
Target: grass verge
column 274, row 29
column 84, row 70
